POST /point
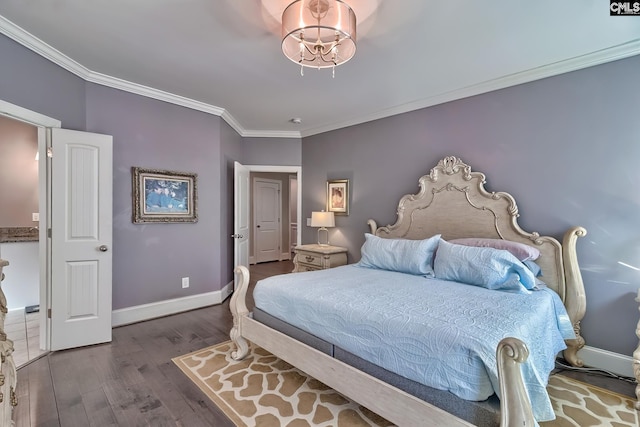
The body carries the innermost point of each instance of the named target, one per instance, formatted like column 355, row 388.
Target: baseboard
column 227, row 290
column 144, row 312
column 616, row 363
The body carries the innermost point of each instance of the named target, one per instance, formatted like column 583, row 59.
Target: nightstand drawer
column 310, row 258
column 307, row 267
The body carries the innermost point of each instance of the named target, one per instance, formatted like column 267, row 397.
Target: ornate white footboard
column 386, row 400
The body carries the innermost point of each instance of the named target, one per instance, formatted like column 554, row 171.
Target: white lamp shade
column 319, row 33
column 322, row 219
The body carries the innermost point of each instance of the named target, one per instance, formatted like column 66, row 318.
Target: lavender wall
column 150, row 259
column 35, row 83
column 272, row 151
column 566, row 148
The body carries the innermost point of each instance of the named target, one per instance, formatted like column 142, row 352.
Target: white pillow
column 402, row 255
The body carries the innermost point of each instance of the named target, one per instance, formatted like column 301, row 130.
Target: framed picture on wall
column 338, row 196
column 164, row 196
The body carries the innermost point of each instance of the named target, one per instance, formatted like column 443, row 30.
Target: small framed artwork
column 164, row 196
column 338, row 196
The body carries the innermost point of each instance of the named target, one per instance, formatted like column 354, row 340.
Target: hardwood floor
column 132, row 380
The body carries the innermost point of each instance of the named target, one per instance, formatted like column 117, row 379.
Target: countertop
column 18, row 234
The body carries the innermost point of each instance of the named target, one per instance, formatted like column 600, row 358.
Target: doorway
column 31, row 122
column 273, row 216
column 19, row 227
column 243, row 227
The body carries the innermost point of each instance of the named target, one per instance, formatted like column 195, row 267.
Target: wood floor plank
column 99, row 408
column 43, row 408
column 21, row 412
column 195, row 398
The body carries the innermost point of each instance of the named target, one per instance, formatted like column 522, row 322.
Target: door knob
column 103, row 248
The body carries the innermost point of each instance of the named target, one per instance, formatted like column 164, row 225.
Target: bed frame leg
column 238, row 306
column 575, row 299
column 515, row 407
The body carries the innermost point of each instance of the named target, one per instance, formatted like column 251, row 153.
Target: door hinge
column 50, row 152
column 48, row 232
column 49, row 313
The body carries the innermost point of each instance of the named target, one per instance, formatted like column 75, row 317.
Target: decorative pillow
column 519, row 250
column 403, row 255
column 495, row 269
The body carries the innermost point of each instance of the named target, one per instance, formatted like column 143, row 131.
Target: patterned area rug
column 579, row 404
column 262, row 390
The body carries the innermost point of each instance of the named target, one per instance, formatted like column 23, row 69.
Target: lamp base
column 327, row 240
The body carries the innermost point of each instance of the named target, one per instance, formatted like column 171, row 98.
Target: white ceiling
column 224, row 57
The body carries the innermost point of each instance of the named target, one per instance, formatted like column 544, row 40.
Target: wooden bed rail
column 389, row 402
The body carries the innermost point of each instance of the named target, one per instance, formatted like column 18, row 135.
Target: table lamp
column 323, row 220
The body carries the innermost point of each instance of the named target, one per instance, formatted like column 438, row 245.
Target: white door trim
column 293, row 224
column 28, row 116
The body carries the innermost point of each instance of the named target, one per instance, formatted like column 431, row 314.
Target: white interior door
column 267, row 205
column 241, row 215
column 81, row 237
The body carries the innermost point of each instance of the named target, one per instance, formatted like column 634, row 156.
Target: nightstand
column 316, row 257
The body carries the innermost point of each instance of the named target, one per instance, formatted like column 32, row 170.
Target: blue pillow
column 402, row 255
column 535, row 268
column 495, row 269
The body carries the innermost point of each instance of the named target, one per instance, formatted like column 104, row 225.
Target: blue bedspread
column 439, row 333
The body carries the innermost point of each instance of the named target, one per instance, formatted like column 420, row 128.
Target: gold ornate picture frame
column 164, row 196
column 338, row 196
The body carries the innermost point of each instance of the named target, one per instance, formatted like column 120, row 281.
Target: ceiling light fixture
column 319, row 33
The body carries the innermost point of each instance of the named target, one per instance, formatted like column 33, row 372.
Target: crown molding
column 272, row 134
column 149, row 92
column 603, row 56
column 31, row 42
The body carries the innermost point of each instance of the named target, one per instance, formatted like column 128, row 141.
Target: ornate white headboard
column 454, row 203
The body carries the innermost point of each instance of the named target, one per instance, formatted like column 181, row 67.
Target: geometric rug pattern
column 262, row 390
column 265, row 391
column 577, row 404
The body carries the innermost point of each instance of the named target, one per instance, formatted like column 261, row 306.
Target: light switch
column 35, row 216
column 308, row 222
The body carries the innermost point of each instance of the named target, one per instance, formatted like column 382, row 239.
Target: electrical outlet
column 308, row 222
column 185, row 282
column 35, row 216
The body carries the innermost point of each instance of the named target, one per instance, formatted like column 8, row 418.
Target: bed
column 452, row 204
